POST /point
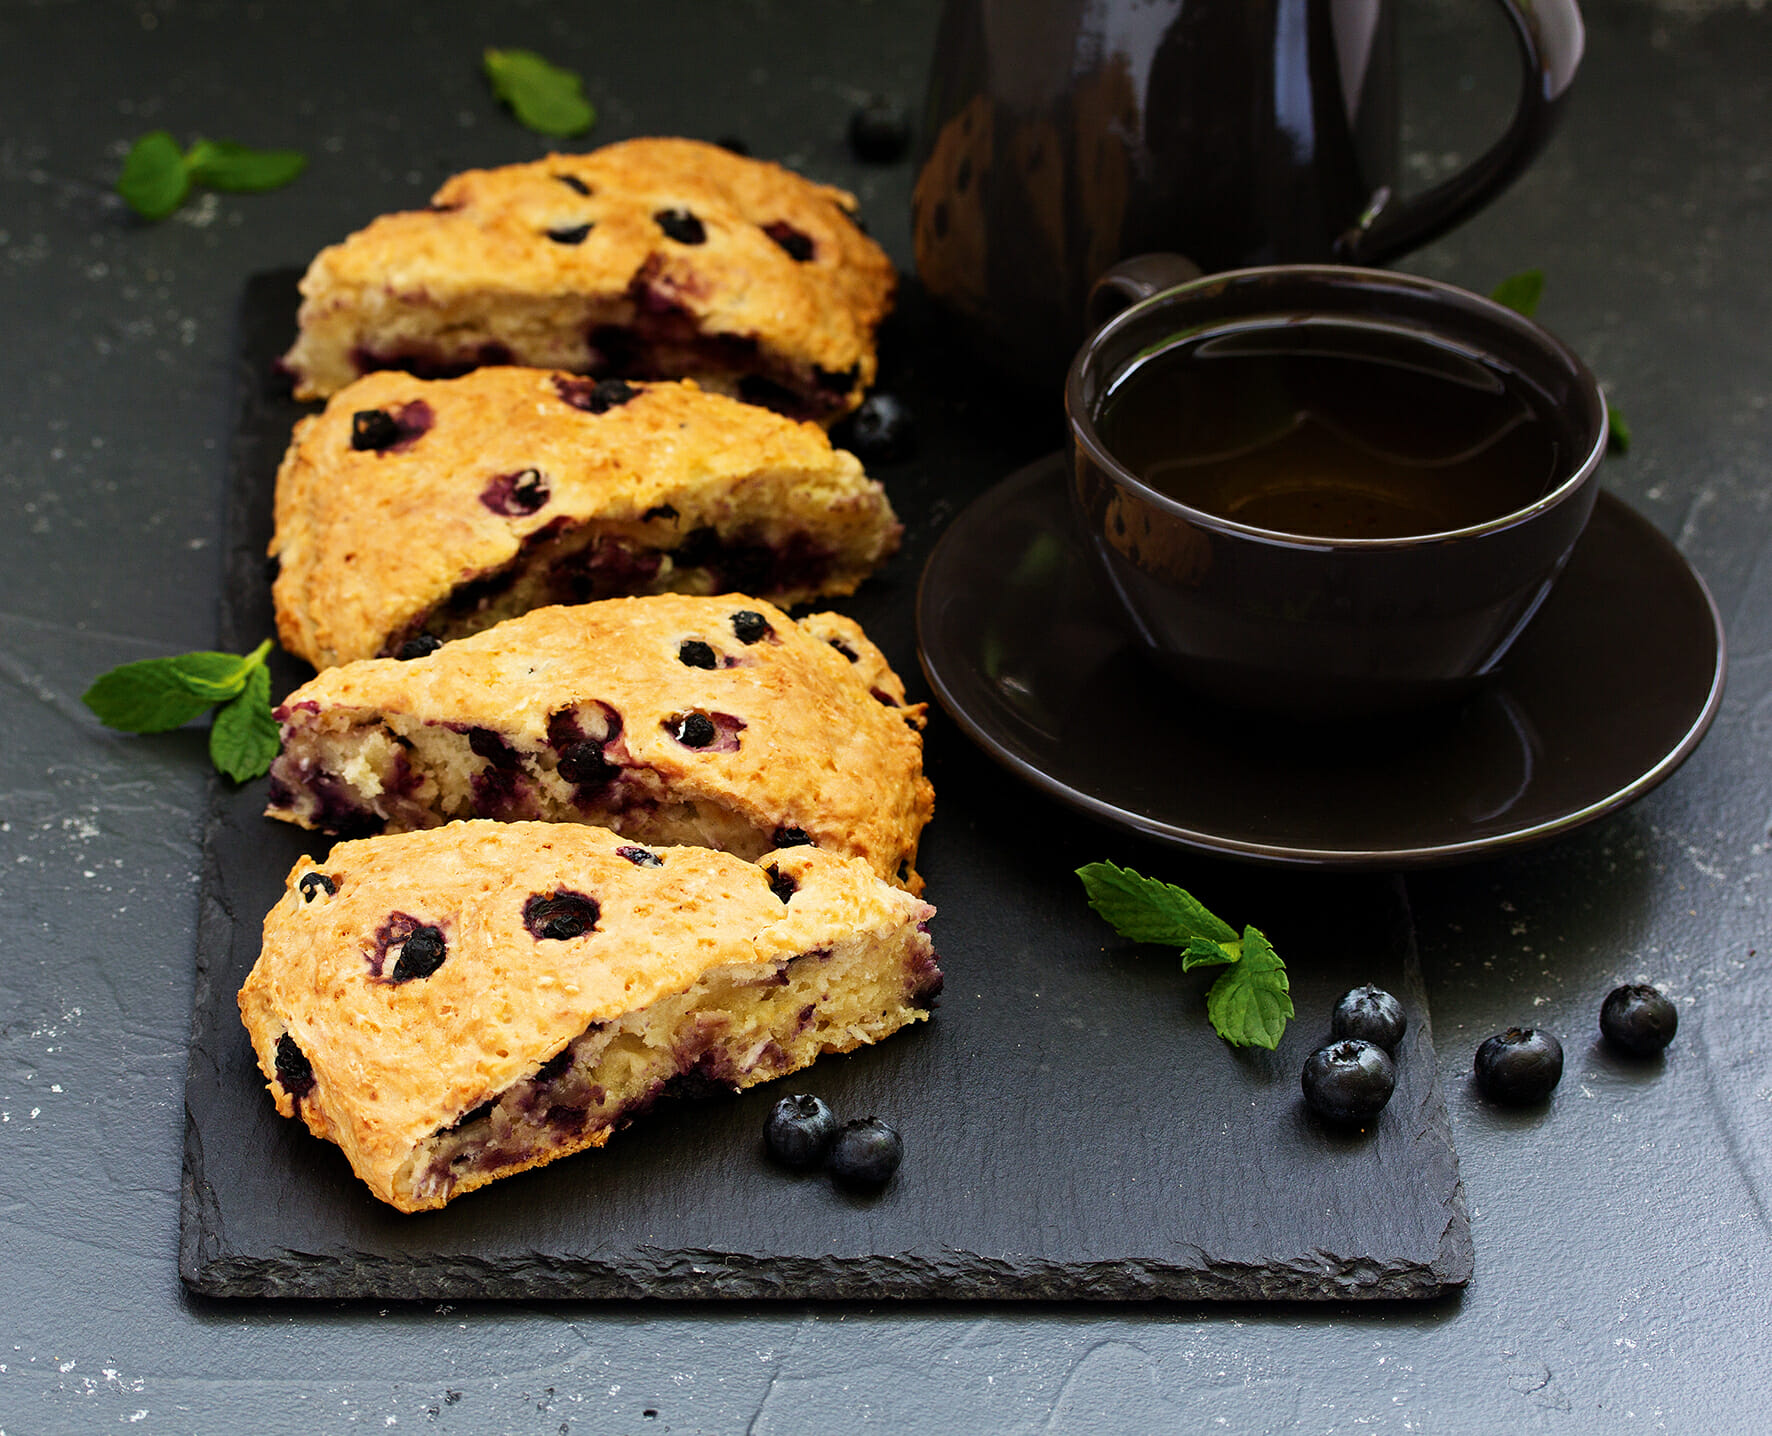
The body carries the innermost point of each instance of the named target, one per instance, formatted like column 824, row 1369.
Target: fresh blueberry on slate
column 682, row 226
column 749, row 626
column 1638, row 1020
column 798, row 1130
column 1519, row 1067
column 882, row 431
column 374, row 429
column 418, row 646
column 1348, row 1081
column 880, row 131
column 693, row 653
column 420, row 955
column 1370, row 1014
column 865, row 1153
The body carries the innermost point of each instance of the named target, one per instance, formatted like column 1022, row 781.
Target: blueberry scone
column 415, row 509
column 653, row 258
column 457, row 1005
column 718, row 722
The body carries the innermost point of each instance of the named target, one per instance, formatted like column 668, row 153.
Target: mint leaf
column 216, row 676
column 223, row 165
column 1250, row 1003
column 1520, row 292
column 1203, row 952
column 1147, row 910
column 145, row 697
column 543, row 97
column 154, row 181
column 244, row 737
column 1617, row 431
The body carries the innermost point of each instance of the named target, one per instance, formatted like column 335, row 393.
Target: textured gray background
column 1622, row 1235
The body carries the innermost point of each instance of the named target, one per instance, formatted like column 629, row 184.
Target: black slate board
column 1073, row 1128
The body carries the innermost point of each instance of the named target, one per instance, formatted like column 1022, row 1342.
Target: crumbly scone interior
column 736, row 1027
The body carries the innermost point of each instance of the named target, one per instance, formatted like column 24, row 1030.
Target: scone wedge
column 416, row 509
column 456, row 1005
column 714, row 721
column 653, row 258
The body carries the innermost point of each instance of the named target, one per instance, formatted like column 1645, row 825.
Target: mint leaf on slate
column 244, row 737
column 1251, row 1002
column 543, row 97
column 157, row 694
column 1617, row 431
column 223, row 165
column 1520, row 292
column 154, row 181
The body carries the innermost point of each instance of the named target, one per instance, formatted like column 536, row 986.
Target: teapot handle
column 1551, row 38
column 1131, row 280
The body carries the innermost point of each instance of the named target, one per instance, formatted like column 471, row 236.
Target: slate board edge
column 207, row 1268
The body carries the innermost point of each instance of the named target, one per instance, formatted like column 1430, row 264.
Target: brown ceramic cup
column 1327, row 627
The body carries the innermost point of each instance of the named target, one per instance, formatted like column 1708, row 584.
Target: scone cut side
column 717, row 721
column 460, row 1004
column 652, row 258
column 415, row 509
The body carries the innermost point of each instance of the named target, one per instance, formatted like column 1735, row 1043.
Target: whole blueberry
column 882, row 431
column 1370, row 1014
column 1348, row 1081
column 880, row 131
column 1519, row 1067
column 418, row 646
column 798, row 1130
column 865, row 1153
column 1638, row 1019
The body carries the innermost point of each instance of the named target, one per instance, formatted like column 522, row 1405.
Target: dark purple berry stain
column 472, row 1115
column 391, row 431
column 693, row 653
column 560, row 916
column 798, row 245
column 569, row 233
column 574, row 183
column 418, row 646
column 792, row 838
column 682, row 226
column 555, row 1067
column 640, row 857
column 595, row 396
column 486, row 744
column 515, row 496
column 312, row 883
column 420, row 955
column 294, row 1075
column 783, row 885
column 845, row 649
column 584, row 765
column 748, row 626
column 693, row 730
column 658, row 511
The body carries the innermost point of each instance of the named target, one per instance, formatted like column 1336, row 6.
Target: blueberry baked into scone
column 456, row 1005
column 415, row 509
column 652, row 258
column 715, row 721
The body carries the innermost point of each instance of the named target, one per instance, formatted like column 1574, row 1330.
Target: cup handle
column 1551, row 39
column 1134, row 279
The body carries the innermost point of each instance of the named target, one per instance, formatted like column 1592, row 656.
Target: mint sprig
column 1250, row 1003
column 157, row 175
column 543, row 97
column 1521, row 293
column 157, row 694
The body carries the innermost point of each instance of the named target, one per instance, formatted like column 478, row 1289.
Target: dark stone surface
column 1624, row 1241
column 1074, row 1128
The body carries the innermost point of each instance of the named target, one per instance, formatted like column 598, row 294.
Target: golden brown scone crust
column 827, row 745
column 482, row 256
column 370, row 540
column 393, row 1062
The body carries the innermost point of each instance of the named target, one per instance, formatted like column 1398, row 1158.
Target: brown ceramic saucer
column 1607, row 692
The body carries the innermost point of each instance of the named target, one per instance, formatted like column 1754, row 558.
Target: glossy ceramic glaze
column 1321, row 627
column 1606, row 693
column 1062, row 135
